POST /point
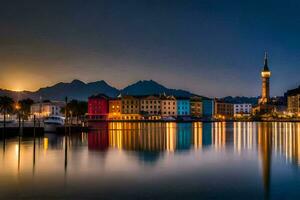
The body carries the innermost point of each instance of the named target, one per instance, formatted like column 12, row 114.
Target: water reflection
column 280, row 138
column 153, row 143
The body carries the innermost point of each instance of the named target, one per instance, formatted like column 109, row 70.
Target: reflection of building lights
column 197, row 134
column 17, row 149
column 171, row 136
column 46, row 143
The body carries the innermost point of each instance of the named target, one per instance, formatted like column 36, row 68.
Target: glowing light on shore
column 17, row 89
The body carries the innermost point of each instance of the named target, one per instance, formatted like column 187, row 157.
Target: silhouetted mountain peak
column 77, row 82
column 102, row 82
column 79, row 90
column 150, row 87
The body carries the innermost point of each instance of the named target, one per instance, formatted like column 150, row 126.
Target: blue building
column 183, row 107
column 208, row 108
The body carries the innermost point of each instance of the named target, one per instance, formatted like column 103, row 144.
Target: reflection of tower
column 265, row 74
column 265, row 148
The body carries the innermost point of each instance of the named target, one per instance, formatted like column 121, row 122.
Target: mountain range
column 81, row 91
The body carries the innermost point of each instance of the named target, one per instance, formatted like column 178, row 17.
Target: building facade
column 150, row 107
column 196, row 106
column 242, row 109
column 168, row 106
column 115, row 108
column 207, row 108
column 130, row 108
column 223, row 109
column 98, row 107
column 293, row 100
column 183, row 107
column 46, row 109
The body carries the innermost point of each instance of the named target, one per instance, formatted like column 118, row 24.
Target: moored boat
column 51, row 123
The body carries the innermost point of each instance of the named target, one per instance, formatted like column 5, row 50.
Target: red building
column 98, row 107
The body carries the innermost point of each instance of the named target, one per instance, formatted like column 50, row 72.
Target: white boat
column 52, row 122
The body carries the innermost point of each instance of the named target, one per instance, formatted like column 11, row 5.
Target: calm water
column 156, row 160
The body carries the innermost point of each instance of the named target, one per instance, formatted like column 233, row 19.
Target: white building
column 242, row 109
column 45, row 109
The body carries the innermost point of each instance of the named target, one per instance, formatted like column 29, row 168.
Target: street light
column 18, row 108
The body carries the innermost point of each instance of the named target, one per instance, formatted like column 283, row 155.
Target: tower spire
column 266, row 67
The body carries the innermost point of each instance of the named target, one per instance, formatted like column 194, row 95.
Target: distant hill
column 81, row 91
column 18, row 95
column 251, row 100
column 152, row 87
column 77, row 90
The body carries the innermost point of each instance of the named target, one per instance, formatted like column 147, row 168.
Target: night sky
column 213, row 48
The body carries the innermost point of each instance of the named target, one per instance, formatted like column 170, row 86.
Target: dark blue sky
column 213, row 48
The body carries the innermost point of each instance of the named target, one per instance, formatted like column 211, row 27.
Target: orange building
column 130, row 109
column 196, row 106
column 115, row 108
column 223, row 110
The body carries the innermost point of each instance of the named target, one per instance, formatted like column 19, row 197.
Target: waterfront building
column 46, row 109
column 293, row 100
column 223, row 109
column 183, row 106
column 131, row 108
column 168, row 106
column 98, row 107
column 151, row 107
column 115, row 106
column 207, row 108
column 196, row 106
column 243, row 109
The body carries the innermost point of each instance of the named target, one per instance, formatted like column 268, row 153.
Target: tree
column 83, row 108
column 6, row 107
column 25, row 105
column 77, row 108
